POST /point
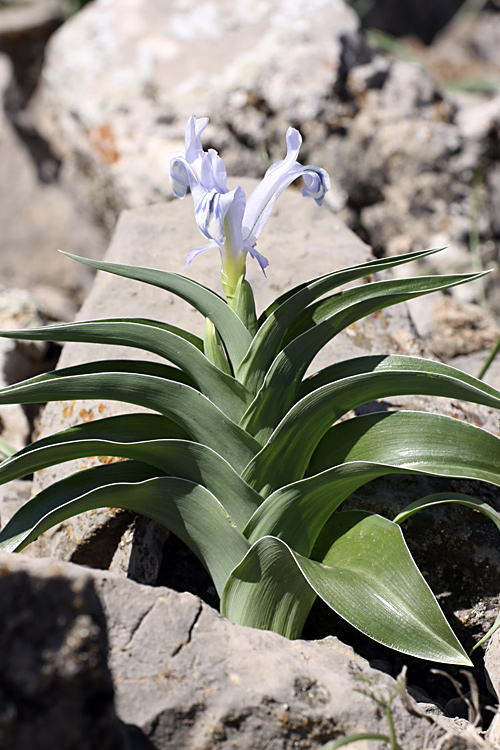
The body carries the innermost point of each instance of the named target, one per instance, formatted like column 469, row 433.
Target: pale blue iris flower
column 227, row 218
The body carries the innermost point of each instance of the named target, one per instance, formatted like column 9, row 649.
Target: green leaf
column 314, row 328
column 201, row 419
column 441, row 445
column 267, row 590
column 487, row 635
column 166, row 341
column 365, row 573
column 213, row 348
column 190, row 511
column 441, row 498
column 281, row 314
column 370, row 267
column 140, row 437
column 286, row 455
column 297, row 512
column 25, row 526
column 394, row 363
column 234, row 334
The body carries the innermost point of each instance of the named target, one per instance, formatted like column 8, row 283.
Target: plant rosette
column 247, row 459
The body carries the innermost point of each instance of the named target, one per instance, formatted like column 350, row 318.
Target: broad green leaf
column 391, row 362
column 286, row 455
column 159, row 338
column 279, row 316
column 267, row 590
column 24, row 526
column 190, row 511
column 315, row 327
column 201, row 419
column 234, row 334
column 441, row 445
column 366, row 573
column 180, row 458
column 297, row 512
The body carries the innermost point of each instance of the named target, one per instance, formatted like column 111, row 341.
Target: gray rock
column 55, row 686
column 120, row 81
column 36, row 217
column 112, row 72
column 183, row 676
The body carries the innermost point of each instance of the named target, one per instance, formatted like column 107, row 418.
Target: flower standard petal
column 192, row 139
column 277, row 178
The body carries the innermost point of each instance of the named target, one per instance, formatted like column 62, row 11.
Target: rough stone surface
column 55, row 686
column 37, row 217
column 183, row 676
column 120, row 80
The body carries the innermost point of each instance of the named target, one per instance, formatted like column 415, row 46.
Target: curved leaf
column 232, row 331
column 278, row 317
column 180, row 458
column 190, row 511
column 314, row 328
column 287, row 453
column 267, row 590
column 24, row 526
column 183, row 349
column 366, row 575
column 385, row 263
column 392, row 362
column 440, row 498
column 412, row 439
column 297, row 512
column 201, row 419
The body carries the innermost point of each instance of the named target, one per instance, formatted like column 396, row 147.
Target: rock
column 413, row 18
column 12, row 496
column 120, row 81
column 25, row 27
column 451, row 328
column 55, row 686
column 183, row 676
column 37, row 217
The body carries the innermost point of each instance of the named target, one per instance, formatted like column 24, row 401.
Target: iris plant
column 242, row 455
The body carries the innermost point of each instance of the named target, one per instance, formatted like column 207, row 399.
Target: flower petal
column 192, row 254
column 210, row 213
column 192, row 139
column 181, row 175
column 317, row 183
column 261, row 260
column 277, row 178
